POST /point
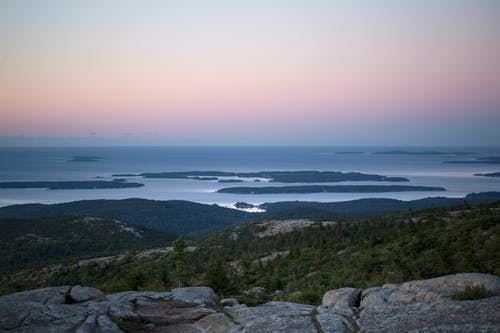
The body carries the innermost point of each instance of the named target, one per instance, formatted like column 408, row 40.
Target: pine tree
column 179, row 257
column 217, row 276
column 136, row 279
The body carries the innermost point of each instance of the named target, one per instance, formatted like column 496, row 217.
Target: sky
column 260, row 72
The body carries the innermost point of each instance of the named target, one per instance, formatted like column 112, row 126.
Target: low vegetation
column 471, row 293
column 303, row 263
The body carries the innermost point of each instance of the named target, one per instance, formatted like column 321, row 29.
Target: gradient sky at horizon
column 250, row 72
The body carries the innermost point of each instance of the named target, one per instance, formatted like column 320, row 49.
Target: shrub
column 136, row 279
column 471, row 293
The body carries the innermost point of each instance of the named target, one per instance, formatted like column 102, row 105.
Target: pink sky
column 180, row 69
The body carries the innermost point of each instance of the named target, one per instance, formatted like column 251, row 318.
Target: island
column 85, row 159
column 230, row 181
column 477, row 160
column 422, row 152
column 328, row 189
column 243, row 205
column 203, row 178
column 275, row 176
column 493, row 174
column 70, row 185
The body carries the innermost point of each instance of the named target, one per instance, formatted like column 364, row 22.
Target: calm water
column 28, row 164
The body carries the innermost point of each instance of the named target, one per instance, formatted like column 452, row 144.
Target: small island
column 477, row 160
column 70, row 185
column 328, row 189
column 85, row 159
column 243, row 205
column 493, row 174
column 274, row 176
column 230, row 181
column 203, row 178
column 423, row 152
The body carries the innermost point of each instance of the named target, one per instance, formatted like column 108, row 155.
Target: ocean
column 52, row 164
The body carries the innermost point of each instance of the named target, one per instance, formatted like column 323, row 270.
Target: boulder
column 165, row 313
column 444, row 316
column 243, row 314
column 99, row 324
column 50, row 295
column 216, row 323
column 229, row 302
column 342, row 298
column 447, row 285
column 132, row 296
column 281, row 324
column 335, row 323
column 79, row 294
column 36, row 317
column 415, row 306
column 256, row 292
column 427, row 291
column 196, row 295
column 426, row 306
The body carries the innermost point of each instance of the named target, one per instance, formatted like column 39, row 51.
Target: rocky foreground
column 416, row 306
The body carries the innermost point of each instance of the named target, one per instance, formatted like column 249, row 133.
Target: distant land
column 349, row 152
column 172, row 216
column 493, row 174
column 425, row 152
column 371, row 207
column 328, row 188
column 203, row 178
column 275, row 176
column 85, row 159
column 189, row 218
column 71, row 185
column 478, row 160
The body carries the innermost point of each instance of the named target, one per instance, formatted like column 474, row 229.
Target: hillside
column 302, row 259
column 39, row 242
column 366, row 207
column 174, row 216
column 190, row 218
column 362, row 253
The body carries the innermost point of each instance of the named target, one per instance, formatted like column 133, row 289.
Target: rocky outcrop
column 274, row 317
column 415, row 306
column 427, row 306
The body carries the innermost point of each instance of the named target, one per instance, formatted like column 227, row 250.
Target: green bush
column 472, row 293
column 136, row 279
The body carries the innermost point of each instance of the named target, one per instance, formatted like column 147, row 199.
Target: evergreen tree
column 217, row 276
column 136, row 279
column 180, row 259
